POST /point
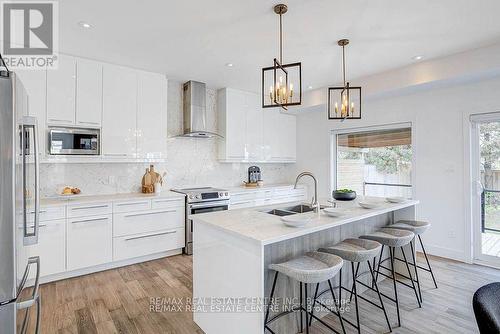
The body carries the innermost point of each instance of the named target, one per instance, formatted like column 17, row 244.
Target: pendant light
column 281, row 83
column 344, row 102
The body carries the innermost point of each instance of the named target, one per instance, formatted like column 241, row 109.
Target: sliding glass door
column 375, row 161
column 486, row 176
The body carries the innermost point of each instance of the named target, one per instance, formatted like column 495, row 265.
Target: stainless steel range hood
column 195, row 111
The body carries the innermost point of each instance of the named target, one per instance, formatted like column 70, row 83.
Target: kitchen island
column 232, row 250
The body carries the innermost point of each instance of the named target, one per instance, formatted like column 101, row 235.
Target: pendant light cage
column 344, row 102
column 281, row 83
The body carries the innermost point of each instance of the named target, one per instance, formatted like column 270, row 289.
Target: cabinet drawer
column 49, row 213
column 241, row 205
column 51, row 248
column 163, row 203
column 290, row 198
column 243, row 197
column 147, row 243
column 85, row 210
column 148, row 221
column 89, row 241
column 130, row 206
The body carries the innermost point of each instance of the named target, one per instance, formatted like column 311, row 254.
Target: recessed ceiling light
column 419, row 57
column 310, row 87
column 84, row 24
column 229, row 64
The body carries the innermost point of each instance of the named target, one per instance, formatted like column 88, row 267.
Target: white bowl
column 396, row 199
column 334, row 212
column 296, row 220
column 368, row 205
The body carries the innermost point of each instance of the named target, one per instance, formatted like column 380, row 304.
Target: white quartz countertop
column 81, row 199
column 257, row 225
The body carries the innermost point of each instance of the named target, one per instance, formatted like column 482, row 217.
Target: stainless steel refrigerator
column 19, row 208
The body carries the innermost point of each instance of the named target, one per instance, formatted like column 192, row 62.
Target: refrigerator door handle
column 35, row 297
column 29, row 302
column 30, row 122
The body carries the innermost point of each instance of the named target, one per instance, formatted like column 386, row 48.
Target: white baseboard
column 444, row 252
column 104, row 266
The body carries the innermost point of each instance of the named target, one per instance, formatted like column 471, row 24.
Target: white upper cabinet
column 151, row 115
column 119, row 111
column 88, row 93
column 61, row 92
column 128, row 106
column 232, row 124
column 279, row 136
column 35, row 84
column 251, row 133
column 254, row 127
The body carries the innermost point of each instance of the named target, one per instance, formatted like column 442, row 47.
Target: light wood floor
column 118, row 301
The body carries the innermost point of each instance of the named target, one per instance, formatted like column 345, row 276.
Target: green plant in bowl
column 344, row 194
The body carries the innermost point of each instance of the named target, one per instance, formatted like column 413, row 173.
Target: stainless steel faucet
column 314, row 202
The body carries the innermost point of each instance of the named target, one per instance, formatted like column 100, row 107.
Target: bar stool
column 418, row 227
column 357, row 251
column 311, row 268
column 393, row 238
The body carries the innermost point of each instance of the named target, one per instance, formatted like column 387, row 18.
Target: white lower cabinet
column 127, row 247
column 147, row 221
column 51, row 247
column 89, row 241
column 76, row 237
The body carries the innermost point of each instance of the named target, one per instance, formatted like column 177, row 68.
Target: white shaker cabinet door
column 119, row 112
column 88, row 93
column 61, row 92
column 151, row 115
column 89, row 241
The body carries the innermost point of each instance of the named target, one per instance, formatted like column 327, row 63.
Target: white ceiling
column 194, row 39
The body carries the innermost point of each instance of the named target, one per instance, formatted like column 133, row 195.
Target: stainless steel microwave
column 74, row 141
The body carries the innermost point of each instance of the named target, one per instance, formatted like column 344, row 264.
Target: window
column 374, row 162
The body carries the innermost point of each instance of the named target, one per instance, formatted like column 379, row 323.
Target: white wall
column 441, row 181
column 190, row 162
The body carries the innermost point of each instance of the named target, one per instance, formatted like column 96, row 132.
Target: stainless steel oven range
column 201, row 200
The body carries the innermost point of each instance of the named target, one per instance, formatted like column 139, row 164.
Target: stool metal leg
column 301, row 311
column 380, row 261
column 306, row 308
column 338, row 306
column 270, row 300
column 340, row 284
column 354, row 275
column 411, row 278
column 314, row 303
column 379, row 296
column 416, row 269
column 427, row 260
column 394, row 282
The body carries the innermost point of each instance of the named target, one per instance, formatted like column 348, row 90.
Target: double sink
column 301, row 208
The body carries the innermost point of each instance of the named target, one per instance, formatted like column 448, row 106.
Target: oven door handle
column 208, row 205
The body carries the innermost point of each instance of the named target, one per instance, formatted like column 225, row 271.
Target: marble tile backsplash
column 190, row 162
